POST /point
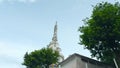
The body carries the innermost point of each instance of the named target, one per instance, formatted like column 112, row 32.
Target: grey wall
column 76, row 62
column 70, row 64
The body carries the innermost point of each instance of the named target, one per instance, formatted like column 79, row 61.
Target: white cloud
column 24, row 1
column 11, row 54
column 1, row 0
column 32, row 0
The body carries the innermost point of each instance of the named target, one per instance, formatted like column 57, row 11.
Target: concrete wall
column 70, row 64
column 80, row 63
column 94, row 65
column 76, row 62
column 83, row 64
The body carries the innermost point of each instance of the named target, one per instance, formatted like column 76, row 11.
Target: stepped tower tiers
column 55, row 45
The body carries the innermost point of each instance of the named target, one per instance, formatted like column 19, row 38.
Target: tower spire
column 54, row 43
column 55, row 33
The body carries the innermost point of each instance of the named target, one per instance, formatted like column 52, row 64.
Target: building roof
column 85, row 59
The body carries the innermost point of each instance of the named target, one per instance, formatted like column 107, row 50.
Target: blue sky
column 27, row 25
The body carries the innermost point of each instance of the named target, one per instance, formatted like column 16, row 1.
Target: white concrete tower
column 55, row 45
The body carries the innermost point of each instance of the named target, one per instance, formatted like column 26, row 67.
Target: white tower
column 54, row 44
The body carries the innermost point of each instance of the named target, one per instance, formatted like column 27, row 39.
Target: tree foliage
column 101, row 32
column 40, row 58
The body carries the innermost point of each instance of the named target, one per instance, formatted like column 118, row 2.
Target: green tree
column 41, row 58
column 101, row 32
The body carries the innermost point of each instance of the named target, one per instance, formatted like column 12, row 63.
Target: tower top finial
column 55, row 33
column 56, row 23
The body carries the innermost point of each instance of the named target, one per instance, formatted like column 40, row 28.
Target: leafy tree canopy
column 41, row 58
column 101, row 32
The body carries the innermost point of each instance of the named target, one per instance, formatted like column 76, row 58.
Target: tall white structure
column 55, row 45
